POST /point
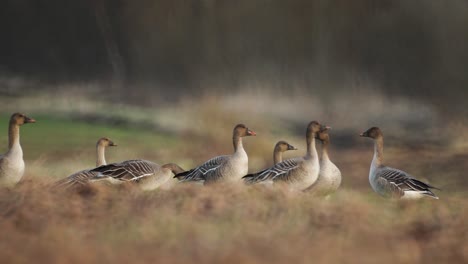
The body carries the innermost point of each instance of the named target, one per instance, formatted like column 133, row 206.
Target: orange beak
column 251, row 133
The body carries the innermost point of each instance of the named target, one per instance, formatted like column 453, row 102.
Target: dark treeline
column 406, row 47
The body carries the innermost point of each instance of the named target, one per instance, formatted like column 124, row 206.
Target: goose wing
column 76, row 179
column 280, row 171
column 201, row 172
column 397, row 182
column 130, row 170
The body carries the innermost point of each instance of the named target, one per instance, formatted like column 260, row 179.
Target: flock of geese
column 307, row 173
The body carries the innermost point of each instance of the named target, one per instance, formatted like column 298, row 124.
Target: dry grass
column 225, row 225
column 233, row 224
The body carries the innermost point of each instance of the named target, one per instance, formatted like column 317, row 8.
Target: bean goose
column 12, row 163
column 280, row 147
column 392, row 182
column 299, row 173
column 148, row 175
column 329, row 179
column 83, row 177
column 227, row 168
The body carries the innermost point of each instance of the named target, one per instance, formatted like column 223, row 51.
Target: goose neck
column 13, row 136
column 277, row 156
column 378, row 151
column 101, row 158
column 237, row 142
column 325, row 145
column 311, row 150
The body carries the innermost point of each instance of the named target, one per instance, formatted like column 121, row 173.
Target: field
column 167, row 81
column 225, row 224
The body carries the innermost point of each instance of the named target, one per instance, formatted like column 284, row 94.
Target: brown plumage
column 391, row 182
column 280, row 147
column 329, row 179
column 12, row 163
column 229, row 168
column 148, row 175
column 299, row 173
column 83, row 177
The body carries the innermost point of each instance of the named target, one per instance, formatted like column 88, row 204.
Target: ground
column 225, row 224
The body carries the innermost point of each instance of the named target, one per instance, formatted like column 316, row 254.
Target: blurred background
column 168, row 80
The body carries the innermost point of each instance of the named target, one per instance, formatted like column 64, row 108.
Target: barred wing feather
column 201, row 172
column 280, row 171
column 76, row 179
column 130, row 170
column 398, row 182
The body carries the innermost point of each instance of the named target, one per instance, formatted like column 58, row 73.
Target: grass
column 221, row 223
column 57, row 146
column 62, row 134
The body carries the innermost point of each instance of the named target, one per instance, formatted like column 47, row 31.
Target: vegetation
column 222, row 223
column 229, row 225
column 168, row 80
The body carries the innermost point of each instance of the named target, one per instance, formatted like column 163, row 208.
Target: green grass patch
column 51, row 134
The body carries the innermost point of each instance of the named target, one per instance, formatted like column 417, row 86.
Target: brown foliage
column 224, row 224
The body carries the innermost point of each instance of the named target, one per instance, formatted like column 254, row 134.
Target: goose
column 227, row 168
column 299, row 173
column 280, row 147
column 329, row 179
column 390, row 182
column 12, row 163
column 83, row 177
column 148, row 175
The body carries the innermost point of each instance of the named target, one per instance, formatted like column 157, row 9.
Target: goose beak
column 362, row 135
column 112, row 144
column 324, row 128
column 251, row 133
column 29, row 120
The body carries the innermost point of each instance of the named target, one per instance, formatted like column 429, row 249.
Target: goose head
column 373, row 132
column 242, row 131
column 176, row 169
column 106, row 142
column 313, row 128
column 283, row 146
column 322, row 135
column 20, row 119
